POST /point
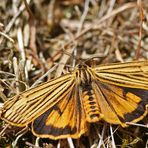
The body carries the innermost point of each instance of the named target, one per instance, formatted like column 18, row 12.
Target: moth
column 66, row 106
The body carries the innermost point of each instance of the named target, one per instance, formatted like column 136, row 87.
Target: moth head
column 82, row 66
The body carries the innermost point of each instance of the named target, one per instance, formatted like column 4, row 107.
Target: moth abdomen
column 91, row 106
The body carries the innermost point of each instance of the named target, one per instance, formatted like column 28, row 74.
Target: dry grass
column 42, row 44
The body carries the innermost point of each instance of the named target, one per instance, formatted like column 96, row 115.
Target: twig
column 6, row 36
column 37, row 142
column 136, row 124
column 43, row 76
column 3, row 130
column 31, row 145
column 16, row 71
column 86, row 8
column 139, row 3
column 112, row 3
column 70, row 142
column 112, row 137
column 101, row 142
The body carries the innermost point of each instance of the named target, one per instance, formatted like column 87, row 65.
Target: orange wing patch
column 66, row 119
column 121, row 104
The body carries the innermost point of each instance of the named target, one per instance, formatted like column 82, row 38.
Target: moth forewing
column 132, row 74
column 24, row 108
column 127, row 67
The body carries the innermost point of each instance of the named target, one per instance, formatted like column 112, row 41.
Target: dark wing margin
column 121, row 104
column 142, row 109
column 65, row 119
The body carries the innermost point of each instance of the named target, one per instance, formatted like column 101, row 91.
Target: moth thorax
column 85, row 77
column 91, row 106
